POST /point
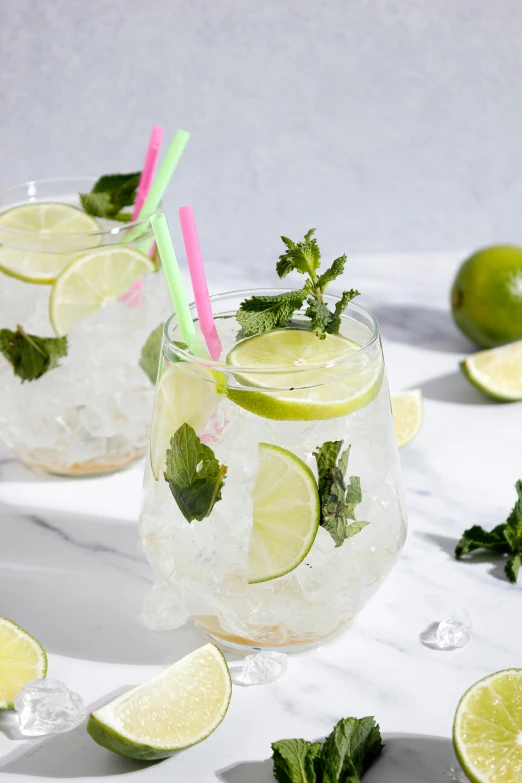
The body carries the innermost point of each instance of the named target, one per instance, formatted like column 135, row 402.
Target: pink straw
column 147, row 174
column 199, row 281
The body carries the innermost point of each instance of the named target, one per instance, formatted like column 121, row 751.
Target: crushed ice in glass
column 450, row 634
column 162, row 610
column 260, row 668
column 48, row 707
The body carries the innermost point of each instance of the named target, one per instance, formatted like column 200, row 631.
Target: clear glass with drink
column 79, row 295
column 273, row 503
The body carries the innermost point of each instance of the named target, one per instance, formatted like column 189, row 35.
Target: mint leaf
column 110, row 194
column 263, row 313
column 294, row 760
column 335, row 271
column 340, row 306
column 478, row 538
column 504, row 539
column 338, row 500
column 304, row 257
column 344, row 757
column 193, row 473
column 98, row 204
column 513, row 531
column 31, row 356
column 150, row 353
column 351, row 748
column 512, row 567
column 320, row 316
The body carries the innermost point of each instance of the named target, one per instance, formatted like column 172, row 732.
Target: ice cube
column 455, row 774
column 162, row 610
column 48, row 707
column 450, row 634
column 261, row 668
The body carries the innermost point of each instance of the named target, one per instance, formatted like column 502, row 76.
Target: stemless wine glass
column 91, row 413
column 256, row 571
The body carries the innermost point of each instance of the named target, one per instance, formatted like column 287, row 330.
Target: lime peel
column 177, row 708
column 36, row 264
column 497, row 372
column 488, row 727
column 407, row 415
column 286, row 511
column 18, row 666
column 319, row 393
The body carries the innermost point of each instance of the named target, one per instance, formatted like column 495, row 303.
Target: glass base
column 211, row 628
column 89, row 469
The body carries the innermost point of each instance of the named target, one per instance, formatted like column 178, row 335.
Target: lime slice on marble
column 335, row 389
column 407, row 415
column 174, row 710
column 186, row 394
column 497, row 372
column 487, row 732
column 286, row 514
column 92, row 280
column 45, row 220
column 22, row 659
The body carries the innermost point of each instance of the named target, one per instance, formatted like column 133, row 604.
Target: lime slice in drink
column 487, row 732
column 178, row 708
column 335, row 389
column 497, row 372
column 92, row 280
column 407, row 415
column 184, row 395
column 22, row 659
column 33, row 263
column 286, row 514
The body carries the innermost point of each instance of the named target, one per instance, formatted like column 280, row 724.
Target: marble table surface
column 71, row 571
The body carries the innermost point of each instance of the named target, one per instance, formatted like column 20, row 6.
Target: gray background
column 388, row 124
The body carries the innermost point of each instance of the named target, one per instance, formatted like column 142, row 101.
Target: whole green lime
column 486, row 297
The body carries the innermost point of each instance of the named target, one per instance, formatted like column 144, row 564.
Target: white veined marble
column 72, row 573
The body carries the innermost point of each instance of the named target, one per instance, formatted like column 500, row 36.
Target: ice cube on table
column 260, row 668
column 48, row 707
column 162, row 609
column 450, row 634
column 456, row 775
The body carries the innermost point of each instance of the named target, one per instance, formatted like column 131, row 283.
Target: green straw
column 175, row 284
column 161, row 181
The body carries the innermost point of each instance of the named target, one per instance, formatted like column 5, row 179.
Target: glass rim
column 64, row 180
column 222, row 366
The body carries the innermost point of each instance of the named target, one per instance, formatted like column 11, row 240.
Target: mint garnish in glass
column 31, row 356
column 263, row 313
column 110, row 194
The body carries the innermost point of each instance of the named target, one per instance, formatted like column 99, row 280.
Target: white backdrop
column 388, row 124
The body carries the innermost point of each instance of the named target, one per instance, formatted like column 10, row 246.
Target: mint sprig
column 344, row 757
column 262, row 314
column 338, row 499
column 31, row 356
column 110, row 194
column 193, row 473
column 504, row 539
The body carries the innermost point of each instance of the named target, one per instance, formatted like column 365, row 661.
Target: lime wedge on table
column 330, row 391
column 34, row 263
column 178, row 708
column 22, row 659
column 497, row 372
column 286, row 514
column 407, row 415
column 92, row 280
column 185, row 394
column 487, row 731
